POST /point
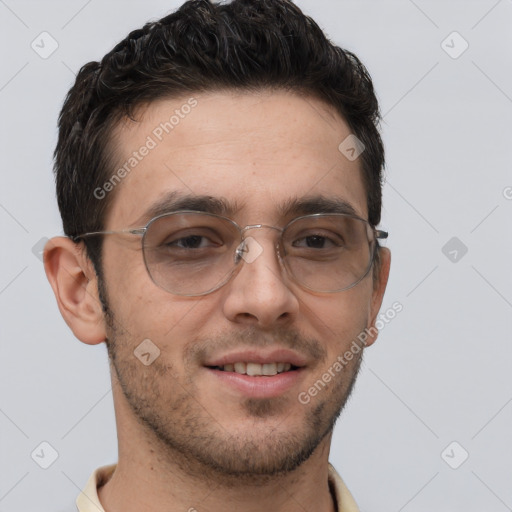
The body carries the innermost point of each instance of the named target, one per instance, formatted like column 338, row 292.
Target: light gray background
column 440, row 371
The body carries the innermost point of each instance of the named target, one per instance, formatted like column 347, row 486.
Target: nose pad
column 248, row 250
column 239, row 252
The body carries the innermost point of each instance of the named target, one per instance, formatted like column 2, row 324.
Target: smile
column 256, row 369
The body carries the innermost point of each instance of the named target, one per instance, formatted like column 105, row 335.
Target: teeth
column 269, row 369
column 240, row 367
column 255, row 369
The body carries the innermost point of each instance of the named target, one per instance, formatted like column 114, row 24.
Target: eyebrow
column 176, row 201
column 296, row 206
column 316, row 204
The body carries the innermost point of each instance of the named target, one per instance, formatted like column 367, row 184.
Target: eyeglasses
column 193, row 253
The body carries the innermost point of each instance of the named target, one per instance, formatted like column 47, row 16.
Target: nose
column 259, row 295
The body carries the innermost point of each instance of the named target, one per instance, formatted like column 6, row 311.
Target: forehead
column 258, row 152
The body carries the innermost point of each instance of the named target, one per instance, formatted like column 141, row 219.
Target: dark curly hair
column 204, row 46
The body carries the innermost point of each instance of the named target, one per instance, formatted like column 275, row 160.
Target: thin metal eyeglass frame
column 141, row 231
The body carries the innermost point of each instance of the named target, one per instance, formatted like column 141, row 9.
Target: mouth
column 256, row 369
column 256, row 373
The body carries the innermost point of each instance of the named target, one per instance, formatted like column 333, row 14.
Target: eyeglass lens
column 195, row 253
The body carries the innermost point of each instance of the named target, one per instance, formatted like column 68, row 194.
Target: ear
column 379, row 287
column 74, row 282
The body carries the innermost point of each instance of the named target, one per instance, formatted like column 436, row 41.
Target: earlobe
column 74, row 283
column 378, row 294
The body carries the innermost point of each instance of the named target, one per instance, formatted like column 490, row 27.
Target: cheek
column 342, row 317
column 144, row 311
column 134, row 299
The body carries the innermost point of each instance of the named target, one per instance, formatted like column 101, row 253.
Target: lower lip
column 259, row 386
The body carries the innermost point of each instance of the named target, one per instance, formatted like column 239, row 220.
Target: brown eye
column 315, row 242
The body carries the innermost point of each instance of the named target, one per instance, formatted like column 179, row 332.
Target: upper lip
column 279, row 355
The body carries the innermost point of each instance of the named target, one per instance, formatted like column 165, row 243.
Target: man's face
column 258, row 152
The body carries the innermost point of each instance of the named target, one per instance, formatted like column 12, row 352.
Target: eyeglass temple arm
column 381, row 234
column 136, row 231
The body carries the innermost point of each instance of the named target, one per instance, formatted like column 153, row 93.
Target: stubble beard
column 187, row 435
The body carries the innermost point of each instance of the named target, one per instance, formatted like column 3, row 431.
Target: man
column 219, row 180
